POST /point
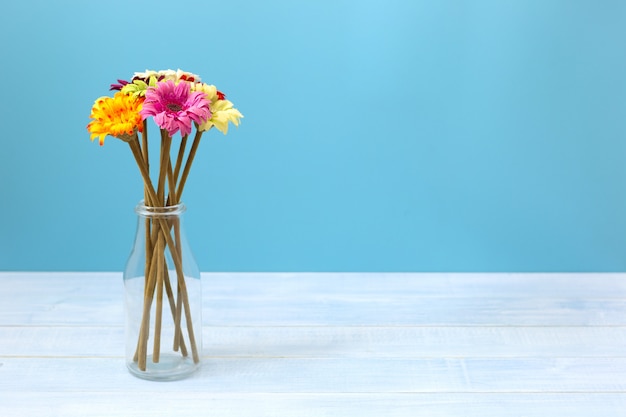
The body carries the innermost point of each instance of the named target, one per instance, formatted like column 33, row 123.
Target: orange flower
column 116, row 116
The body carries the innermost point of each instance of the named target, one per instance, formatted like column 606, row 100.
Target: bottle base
column 171, row 367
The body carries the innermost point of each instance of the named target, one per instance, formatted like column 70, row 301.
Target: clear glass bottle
column 163, row 298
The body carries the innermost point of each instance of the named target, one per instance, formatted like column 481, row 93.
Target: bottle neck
column 168, row 211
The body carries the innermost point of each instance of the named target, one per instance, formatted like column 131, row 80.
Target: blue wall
column 380, row 135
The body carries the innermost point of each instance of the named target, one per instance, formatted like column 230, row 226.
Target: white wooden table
column 328, row 345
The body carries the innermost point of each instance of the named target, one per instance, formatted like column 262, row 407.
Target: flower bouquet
column 178, row 103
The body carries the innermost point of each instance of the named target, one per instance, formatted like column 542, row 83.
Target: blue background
column 378, row 135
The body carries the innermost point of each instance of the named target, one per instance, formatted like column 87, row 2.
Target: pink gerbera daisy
column 174, row 106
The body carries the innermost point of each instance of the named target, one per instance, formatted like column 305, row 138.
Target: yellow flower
column 222, row 110
column 116, row 116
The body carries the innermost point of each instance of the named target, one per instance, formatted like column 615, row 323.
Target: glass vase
column 163, row 298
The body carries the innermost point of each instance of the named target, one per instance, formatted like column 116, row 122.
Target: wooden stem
column 142, row 343
column 164, row 231
column 179, row 159
column 170, row 297
column 181, row 297
column 190, row 158
column 158, row 316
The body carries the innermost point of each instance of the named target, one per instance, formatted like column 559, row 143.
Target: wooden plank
column 407, row 312
column 151, row 403
column 374, row 284
column 284, row 299
column 334, row 342
column 297, row 312
column 357, row 285
column 332, row 375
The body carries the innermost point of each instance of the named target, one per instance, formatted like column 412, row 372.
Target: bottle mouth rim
column 143, row 210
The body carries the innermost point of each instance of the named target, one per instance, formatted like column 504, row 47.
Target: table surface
column 327, row 344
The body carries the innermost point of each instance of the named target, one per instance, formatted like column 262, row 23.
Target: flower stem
column 166, row 142
column 190, row 157
column 170, row 297
column 163, row 230
column 179, row 159
column 158, row 316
